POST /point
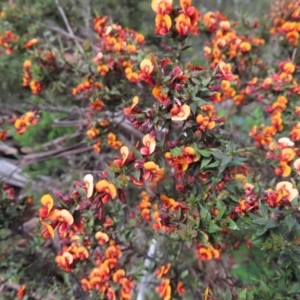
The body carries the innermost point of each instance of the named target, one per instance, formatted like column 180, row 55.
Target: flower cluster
column 29, row 118
column 8, row 41
column 119, row 46
column 286, row 24
column 185, row 19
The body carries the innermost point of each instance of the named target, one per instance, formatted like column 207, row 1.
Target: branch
column 143, row 284
column 71, row 33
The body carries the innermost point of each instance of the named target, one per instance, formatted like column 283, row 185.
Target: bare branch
column 62, row 12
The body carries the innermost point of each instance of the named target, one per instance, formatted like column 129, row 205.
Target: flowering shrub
column 186, row 194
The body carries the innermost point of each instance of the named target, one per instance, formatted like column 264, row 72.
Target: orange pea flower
column 118, row 275
column 162, row 7
column 21, row 292
column 125, row 153
column 89, row 183
column 205, row 122
column 102, row 238
column 47, row 202
column 207, row 252
column 31, row 43
column 245, row 46
column 3, row 134
column 107, row 190
column 159, row 95
column 146, row 66
column 97, row 104
column 61, row 219
column 129, row 110
column 110, row 262
column 190, row 155
column 163, row 24
column 295, row 132
column 187, row 7
column 163, row 270
column 85, row 284
column 285, row 142
column 65, row 261
column 285, row 190
column 180, row 288
column 180, row 113
column 113, row 252
column 225, row 70
column 183, row 24
column 289, row 68
column 92, row 132
column 283, row 170
column 153, row 172
column 287, row 154
column 164, row 289
column 127, row 287
column 149, row 144
column 80, row 253
column 111, row 294
column 297, row 165
column 47, row 231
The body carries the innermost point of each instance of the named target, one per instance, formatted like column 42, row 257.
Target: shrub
column 197, row 194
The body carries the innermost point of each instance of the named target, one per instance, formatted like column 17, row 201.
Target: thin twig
column 54, row 142
column 68, row 35
column 62, row 12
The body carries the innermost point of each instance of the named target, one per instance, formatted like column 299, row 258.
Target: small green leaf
column 204, row 152
column 263, row 209
column 295, row 289
column 206, row 81
column 213, row 228
column 232, row 225
column 243, row 295
column 260, row 221
column 205, row 161
column 176, row 151
column 4, row 233
column 166, row 79
column 272, row 224
column 184, row 274
column 213, row 165
column 222, row 209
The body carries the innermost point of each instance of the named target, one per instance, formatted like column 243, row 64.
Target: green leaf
column 232, row 225
column 218, row 154
column 260, row 221
column 243, row 295
column 174, row 236
column 176, row 151
column 206, row 81
column 5, row 232
column 227, row 294
column 214, row 164
column 272, row 224
column 204, row 152
column 165, row 90
column 186, row 47
column 290, row 222
column 224, row 163
column 265, row 288
column 263, row 209
column 213, row 228
column 222, row 209
column 184, row 274
column 166, row 79
column 193, row 107
column 205, row 161
column 295, row 289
